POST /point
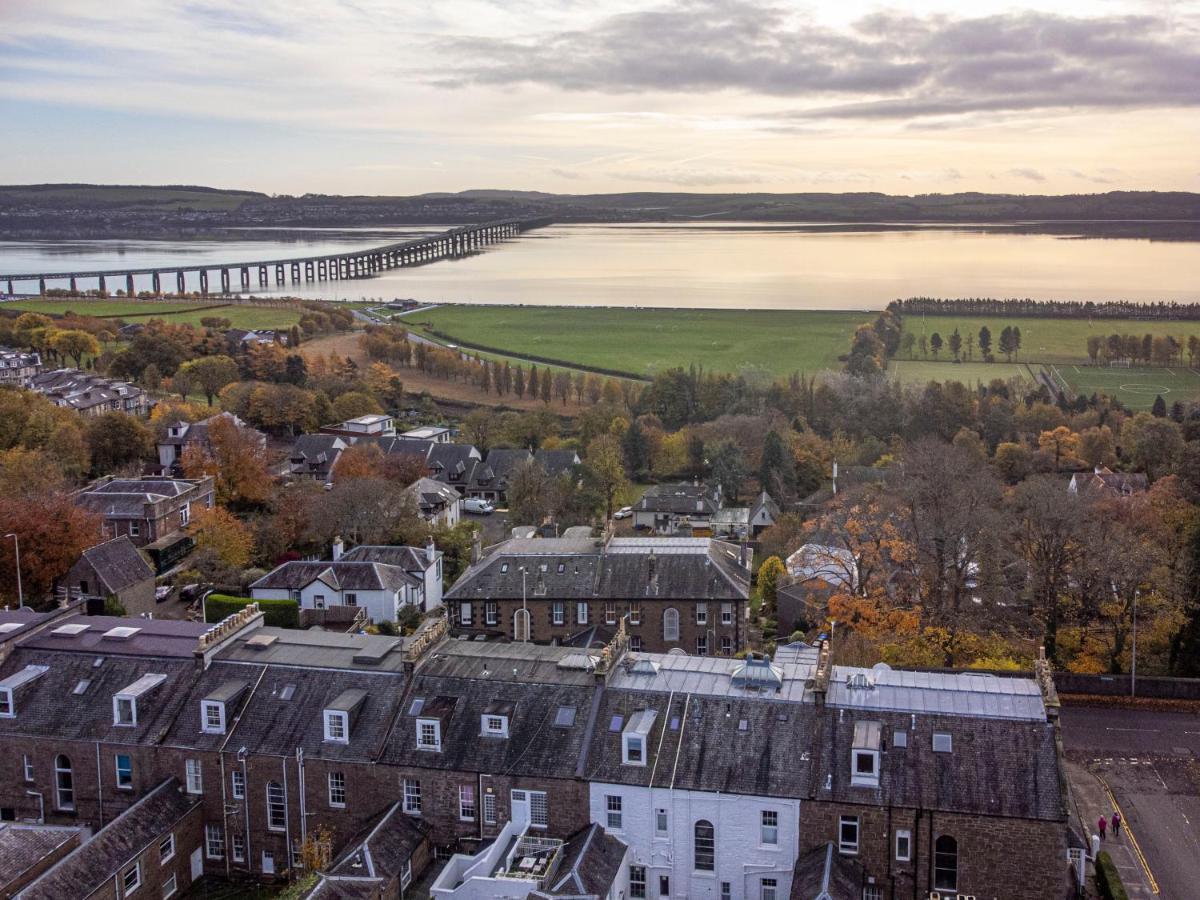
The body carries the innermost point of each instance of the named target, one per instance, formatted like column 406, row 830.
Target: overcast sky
column 371, row 96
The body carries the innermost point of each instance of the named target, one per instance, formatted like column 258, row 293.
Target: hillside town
column 314, row 636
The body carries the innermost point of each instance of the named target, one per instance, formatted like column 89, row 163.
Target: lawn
column 1136, row 388
column 646, row 341
column 1045, row 340
column 920, row 371
column 240, row 315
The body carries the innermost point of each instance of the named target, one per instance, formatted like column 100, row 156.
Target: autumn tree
column 1097, row 447
column 1152, row 444
column 728, row 468
column 236, row 459
column 117, row 441
column 769, row 575
column 1060, row 443
column 52, row 531
column 75, row 344
column 221, row 533
column 210, row 374
column 605, row 468
column 353, row 404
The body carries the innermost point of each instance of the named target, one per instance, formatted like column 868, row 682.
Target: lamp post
column 17, row 551
column 1133, row 668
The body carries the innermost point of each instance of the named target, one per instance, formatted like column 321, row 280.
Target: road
column 1150, row 761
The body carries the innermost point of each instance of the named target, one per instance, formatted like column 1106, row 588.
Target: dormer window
column 339, row 715
column 212, row 717
column 495, row 719
column 864, row 771
column 10, row 685
column 635, row 737
column 337, row 727
column 429, row 735
column 125, row 701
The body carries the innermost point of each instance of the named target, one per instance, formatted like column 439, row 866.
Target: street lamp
column 1133, row 670
column 17, row 551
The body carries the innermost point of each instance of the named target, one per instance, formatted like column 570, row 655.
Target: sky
column 586, row 96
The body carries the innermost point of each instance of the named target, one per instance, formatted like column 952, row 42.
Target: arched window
column 705, row 846
column 276, row 807
column 671, row 625
column 945, row 863
column 521, row 625
column 64, row 783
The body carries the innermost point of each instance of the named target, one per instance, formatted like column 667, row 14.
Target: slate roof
column 590, row 864
column 344, row 575
column 432, row 495
column 382, row 850
column 49, row 706
column 22, row 847
column 324, row 649
column 495, row 471
column 684, row 498
column 128, row 497
column 392, row 445
column 445, row 459
column 727, row 744
column 569, row 568
column 197, row 432
column 557, row 462
column 154, row 637
column 315, row 454
column 118, row 564
column 269, row 724
column 765, row 501
column 89, row 867
column 519, row 662
column 997, row 767
column 535, row 746
column 824, row 874
column 410, row 559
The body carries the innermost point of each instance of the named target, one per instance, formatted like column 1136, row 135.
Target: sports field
column 646, row 341
column 240, row 315
column 1136, row 388
column 921, row 372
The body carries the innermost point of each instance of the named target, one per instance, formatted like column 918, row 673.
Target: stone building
column 686, row 593
column 113, row 569
column 148, row 510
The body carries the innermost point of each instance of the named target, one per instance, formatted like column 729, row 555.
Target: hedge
column 280, row 613
column 1108, row 879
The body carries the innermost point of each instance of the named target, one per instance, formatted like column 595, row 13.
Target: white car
column 623, row 513
column 477, row 506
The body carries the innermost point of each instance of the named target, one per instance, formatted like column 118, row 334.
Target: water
column 702, row 265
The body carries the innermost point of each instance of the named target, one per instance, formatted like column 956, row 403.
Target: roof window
column 943, row 742
column 564, row 717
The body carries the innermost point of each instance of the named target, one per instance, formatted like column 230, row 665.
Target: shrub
column 280, row 613
column 1108, row 879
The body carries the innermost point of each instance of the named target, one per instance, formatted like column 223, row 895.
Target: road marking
column 1129, row 831
column 1169, row 372
column 1144, row 730
column 1076, row 368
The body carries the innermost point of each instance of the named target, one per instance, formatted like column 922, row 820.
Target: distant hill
column 133, row 210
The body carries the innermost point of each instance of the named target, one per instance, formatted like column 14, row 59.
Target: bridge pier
column 74, row 290
column 181, row 281
column 280, row 277
column 245, row 278
column 10, row 287
column 308, row 270
column 204, row 282
column 224, row 281
column 155, row 283
column 130, row 291
column 41, row 287
column 295, row 273
column 264, row 279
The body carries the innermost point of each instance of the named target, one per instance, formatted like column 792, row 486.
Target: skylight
column 289, row 691
column 121, row 633
column 565, row 717
column 418, row 704
column 70, row 630
column 616, row 723
column 81, row 687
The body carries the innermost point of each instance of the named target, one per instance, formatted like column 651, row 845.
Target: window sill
column 337, row 805
column 769, row 848
column 847, row 852
column 124, row 787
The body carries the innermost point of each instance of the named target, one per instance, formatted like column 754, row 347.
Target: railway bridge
column 243, row 276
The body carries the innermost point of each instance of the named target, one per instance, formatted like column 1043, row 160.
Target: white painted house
column 381, row 580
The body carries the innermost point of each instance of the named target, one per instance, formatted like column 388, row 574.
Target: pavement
column 1146, row 764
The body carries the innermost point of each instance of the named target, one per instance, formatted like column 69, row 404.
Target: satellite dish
column 880, row 667
column 676, row 651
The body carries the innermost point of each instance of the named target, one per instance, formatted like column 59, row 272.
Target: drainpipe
column 99, row 786
column 225, row 815
column 287, row 817
column 241, row 758
column 300, row 780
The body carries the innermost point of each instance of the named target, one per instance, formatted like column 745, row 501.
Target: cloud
column 885, row 66
column 687, row 177
column 1028, row 174
column 567, row 173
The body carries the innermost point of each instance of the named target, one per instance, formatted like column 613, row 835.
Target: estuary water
column 711, row 265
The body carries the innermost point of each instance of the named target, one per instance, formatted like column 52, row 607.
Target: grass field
column 1136, row 388
column 646, row 341
column 240, row 315
column 1046, row 340
column 920, row 371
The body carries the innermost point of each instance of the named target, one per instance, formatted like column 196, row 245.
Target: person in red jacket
column 1103, row 826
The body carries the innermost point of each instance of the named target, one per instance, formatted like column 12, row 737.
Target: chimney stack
column 476, row 547
column 338, row 548
column 430, row 549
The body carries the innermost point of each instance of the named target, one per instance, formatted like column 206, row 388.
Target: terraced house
column 690, row 594
column 242, row 751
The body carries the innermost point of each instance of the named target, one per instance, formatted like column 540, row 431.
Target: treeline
column 1067, row 309
column 1148, row 349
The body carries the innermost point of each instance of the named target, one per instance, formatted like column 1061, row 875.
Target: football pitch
column 1135, row 387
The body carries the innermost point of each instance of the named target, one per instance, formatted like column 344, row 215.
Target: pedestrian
column 1103, row 826
column 1116, row 823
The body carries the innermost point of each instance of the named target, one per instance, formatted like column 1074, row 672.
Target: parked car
column 477, row 506
column 623, row 513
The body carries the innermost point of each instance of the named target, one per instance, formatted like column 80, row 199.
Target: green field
column 1136, row 388
column 240, row 315
column 920, row 371
column 646, row 341
column 1044, row 340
